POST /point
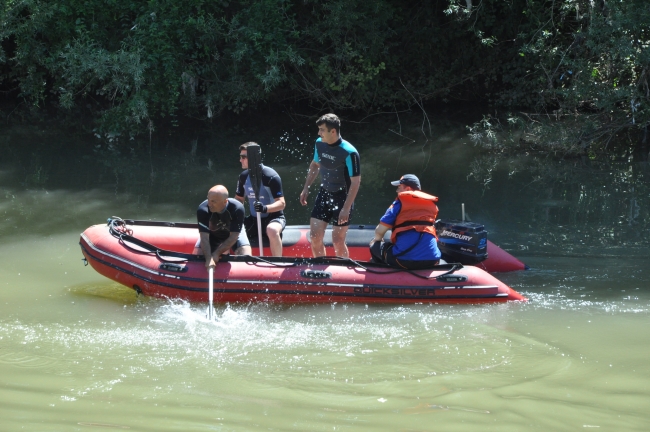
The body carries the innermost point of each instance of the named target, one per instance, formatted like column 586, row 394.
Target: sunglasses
column 243, row 156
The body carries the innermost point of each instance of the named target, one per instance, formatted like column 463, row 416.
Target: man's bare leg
column 316, row 235
column 338, row 239
column 273, row 231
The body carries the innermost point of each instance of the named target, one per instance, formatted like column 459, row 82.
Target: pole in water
column 210, row 293
column 463, row 208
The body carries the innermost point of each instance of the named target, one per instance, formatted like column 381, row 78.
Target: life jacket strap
column 410, row 223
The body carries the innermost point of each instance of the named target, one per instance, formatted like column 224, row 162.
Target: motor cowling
column 460, row 241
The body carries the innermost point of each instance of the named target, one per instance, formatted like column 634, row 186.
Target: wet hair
column 245, row 146
column 331, row 121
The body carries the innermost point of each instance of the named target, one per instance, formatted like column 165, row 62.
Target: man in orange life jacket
column 412, row 216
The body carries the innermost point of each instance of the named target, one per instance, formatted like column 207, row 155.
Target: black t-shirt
column 220, row 225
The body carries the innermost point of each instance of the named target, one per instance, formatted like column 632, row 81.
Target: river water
column 79, row 352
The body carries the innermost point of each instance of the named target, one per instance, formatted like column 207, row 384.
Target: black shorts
column 328, row 205
column 250, row 224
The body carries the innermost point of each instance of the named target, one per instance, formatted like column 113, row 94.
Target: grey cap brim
column 395, row 183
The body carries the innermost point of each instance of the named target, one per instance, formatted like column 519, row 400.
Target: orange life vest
column 419, row 212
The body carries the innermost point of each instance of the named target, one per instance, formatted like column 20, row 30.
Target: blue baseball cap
column 408, row 180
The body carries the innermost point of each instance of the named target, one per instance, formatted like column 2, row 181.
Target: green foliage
column 136, row 65
column 134, row 62
column 346, row 47
column 578, row 69
column 345, row 79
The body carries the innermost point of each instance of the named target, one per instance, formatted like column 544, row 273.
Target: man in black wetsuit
column 270, row 205
column 339, row 165
column 221, row 221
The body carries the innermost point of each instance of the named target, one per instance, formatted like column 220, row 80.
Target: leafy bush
column 137, row 65
column 579, row 75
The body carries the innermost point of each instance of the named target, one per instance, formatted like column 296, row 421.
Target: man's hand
column 259, row 207
column 344, row 215
column 210, row 263
column 303, row 196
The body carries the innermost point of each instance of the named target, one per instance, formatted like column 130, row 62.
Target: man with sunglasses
column 270, row 205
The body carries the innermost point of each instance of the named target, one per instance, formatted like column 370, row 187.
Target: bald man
column 221, row 221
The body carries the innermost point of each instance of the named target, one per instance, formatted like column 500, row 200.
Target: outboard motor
column 460, row 241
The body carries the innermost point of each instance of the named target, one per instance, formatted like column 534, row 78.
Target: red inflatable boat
column 154, row 258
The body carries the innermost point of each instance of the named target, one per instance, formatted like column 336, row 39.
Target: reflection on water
column 78, row 351
column 112, row 291
column 579, row 207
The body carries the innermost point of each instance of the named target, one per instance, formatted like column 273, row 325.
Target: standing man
column 412, row 217
column 339, row 165
column 221, row 221
column 270, row 206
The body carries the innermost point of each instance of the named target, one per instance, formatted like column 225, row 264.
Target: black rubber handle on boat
column 174, row 267
column 316, row 274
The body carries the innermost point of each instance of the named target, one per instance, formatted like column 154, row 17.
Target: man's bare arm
column 205, row 247
column 380, row 231
column 277, row 206
column 314, row 169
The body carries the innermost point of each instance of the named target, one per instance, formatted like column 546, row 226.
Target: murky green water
column 79, row 352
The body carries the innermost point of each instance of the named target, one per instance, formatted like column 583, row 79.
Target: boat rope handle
column 118, row 225
column 454, row 267
column 254, row 259
column 118, row 228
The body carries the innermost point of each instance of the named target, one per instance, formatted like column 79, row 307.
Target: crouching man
column 412, row 216
column 221, row 221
